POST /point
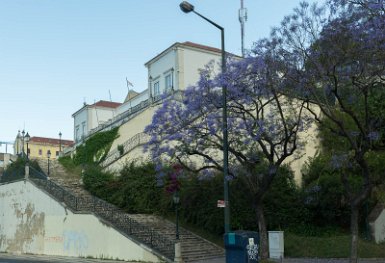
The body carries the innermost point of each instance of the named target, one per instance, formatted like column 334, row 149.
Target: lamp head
column 49, row 154
column 60, row 134
column 176, row 198
column 27, row 137
column 186, row 7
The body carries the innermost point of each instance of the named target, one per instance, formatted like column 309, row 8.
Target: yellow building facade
column 39, row 147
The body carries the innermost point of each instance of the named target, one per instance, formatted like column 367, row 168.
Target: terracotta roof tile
column 106, row 104
column 191, row 44
column 51, row 141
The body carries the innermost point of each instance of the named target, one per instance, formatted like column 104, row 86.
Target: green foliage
column 323, row 195
column 69, row 164
column 337, row 246
column 16, row 170
column 136, row 191
column 95, row 149
column 96, row 181
column 121, row 149
column 283, row 204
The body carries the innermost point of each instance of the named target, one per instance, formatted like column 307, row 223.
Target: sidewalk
column 306, row 260
column 58, row 259
column 329, row 260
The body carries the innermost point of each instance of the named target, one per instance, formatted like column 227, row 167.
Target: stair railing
column 128, row 146
column 118, row 219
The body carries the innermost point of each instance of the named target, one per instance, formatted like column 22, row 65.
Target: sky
column 57, row 54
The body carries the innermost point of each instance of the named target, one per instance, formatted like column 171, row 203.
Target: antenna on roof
column 129, row 84
column 109, row 92
column 242, row 20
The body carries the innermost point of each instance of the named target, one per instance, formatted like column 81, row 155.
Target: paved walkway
column 58, row 259
column 328, row 260
column 51, row 259
column 306, row 260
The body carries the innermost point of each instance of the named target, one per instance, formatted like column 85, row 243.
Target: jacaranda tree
column 263, row 124
column 335, row 59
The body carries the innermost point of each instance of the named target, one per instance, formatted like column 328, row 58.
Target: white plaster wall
column 309, row 149
column 158, row 68
column 379, row 228
column 134, row 126
column 308, row 139
column 79, row 118
column 193, row 61
column 133, row 102
column 99, row 115
column 32, row 222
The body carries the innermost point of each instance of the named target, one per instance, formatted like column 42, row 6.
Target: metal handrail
column 119, row 119
column 118, row 219
column 128, row 146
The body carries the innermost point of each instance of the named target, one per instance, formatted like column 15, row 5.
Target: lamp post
column 27, row 138
column 178, row 250
column 60, row 134
column 176, row 203
column 187, row 8
column 22, row 141
column 48, row 156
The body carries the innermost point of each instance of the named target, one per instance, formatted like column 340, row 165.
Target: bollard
column 178, row 253
column 26, row 174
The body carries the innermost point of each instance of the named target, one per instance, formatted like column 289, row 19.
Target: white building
column 178, row 67
column 174, row 69
column 91, row 116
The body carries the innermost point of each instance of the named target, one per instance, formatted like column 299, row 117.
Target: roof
column 106, row 104
column 130, row 95
column 100, row 103
column 199, row 46
column 51, row 141
column 190, row 45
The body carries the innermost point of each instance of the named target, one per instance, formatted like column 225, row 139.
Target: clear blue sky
column 56, row 54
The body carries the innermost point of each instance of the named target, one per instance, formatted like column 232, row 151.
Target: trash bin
column 242, row 247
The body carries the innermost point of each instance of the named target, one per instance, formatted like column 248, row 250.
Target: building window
column 40, row 151
column 77, row 135
column 57, row 153
column 168, row 82
column 156, row 89
column 83, row 128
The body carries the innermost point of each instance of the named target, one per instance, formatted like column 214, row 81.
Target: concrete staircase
column 194, row 248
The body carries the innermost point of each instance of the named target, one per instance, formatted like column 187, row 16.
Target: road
column 8, row 258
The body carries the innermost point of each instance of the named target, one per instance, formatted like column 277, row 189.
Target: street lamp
column 48, row 156
column 187, row 8
column 178, row 250
column 60, row 143
column 27, row 138
column 22, row 146
column 176, row 203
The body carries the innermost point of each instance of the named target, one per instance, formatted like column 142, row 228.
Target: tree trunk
column 354, row 234
column 264, row 248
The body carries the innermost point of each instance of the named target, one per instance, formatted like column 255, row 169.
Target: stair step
column 193, row 247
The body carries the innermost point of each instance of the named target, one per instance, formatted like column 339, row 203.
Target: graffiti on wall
column 54, row 239
column 75, row 242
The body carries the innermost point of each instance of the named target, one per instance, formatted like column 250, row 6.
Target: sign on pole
column 221, row 203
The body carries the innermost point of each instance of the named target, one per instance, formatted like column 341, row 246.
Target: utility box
column 276, row 244
column 242, row 247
